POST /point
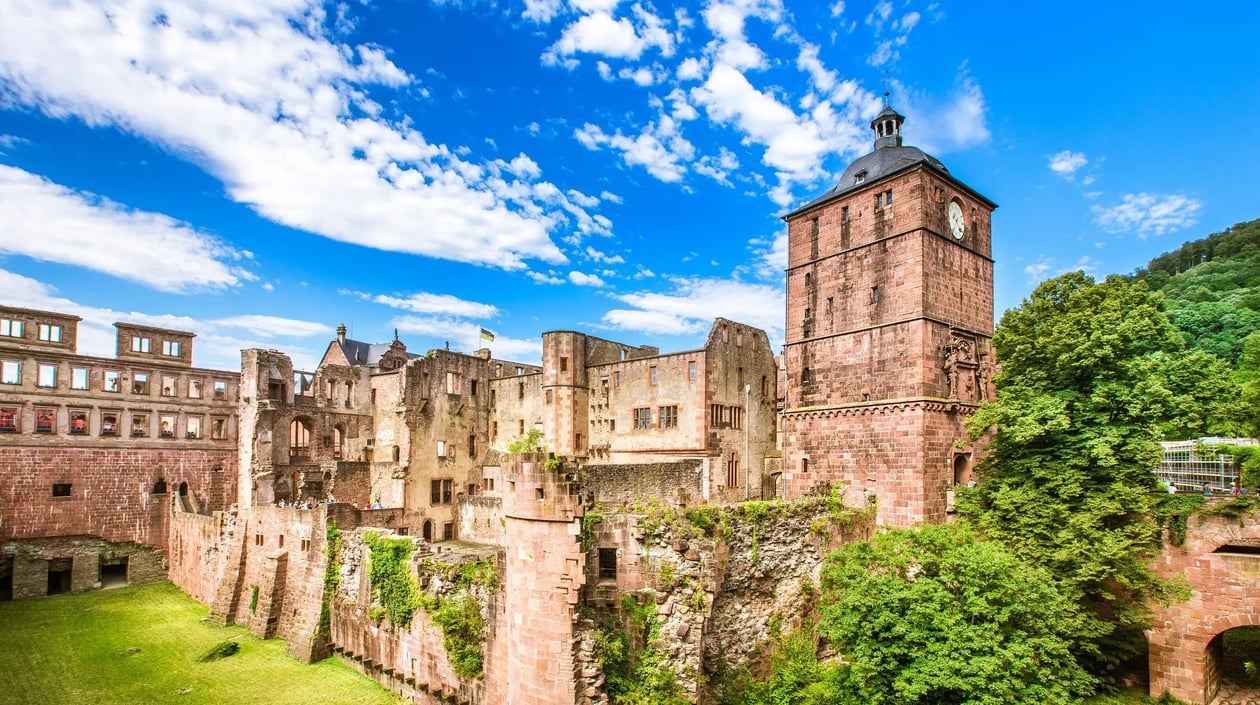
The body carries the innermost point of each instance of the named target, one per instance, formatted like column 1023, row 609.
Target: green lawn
column 139, row 645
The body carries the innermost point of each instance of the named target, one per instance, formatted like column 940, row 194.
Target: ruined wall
column 1226, row 594
column 411, row 659
column 681, row 482
column 481, row 520
column 196, row 551
column 718, row 577
column 111, row 492
column 517, row 407
column 82, row 562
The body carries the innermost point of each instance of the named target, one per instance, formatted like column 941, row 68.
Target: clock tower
column 889, row 321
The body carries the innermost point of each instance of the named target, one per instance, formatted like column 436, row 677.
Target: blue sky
column 258, row 171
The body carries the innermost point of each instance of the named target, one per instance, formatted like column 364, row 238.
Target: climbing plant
column 458, row 613
column 393, row 587
column 332, row 580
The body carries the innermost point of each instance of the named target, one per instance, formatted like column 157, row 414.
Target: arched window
column 339, row 442
column 299, row 439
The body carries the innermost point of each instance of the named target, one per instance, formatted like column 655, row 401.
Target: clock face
column 956, row 224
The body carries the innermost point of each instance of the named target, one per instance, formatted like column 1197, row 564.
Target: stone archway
column 1223, row 673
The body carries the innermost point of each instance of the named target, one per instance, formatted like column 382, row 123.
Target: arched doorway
column 1226, row 670
column 962, row 470
column 427, row 531
column 300, row 439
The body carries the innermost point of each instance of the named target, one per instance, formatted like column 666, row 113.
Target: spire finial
column 395, row 335
column 886, row 104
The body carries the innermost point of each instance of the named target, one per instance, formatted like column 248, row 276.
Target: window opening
column 109, row 424
column 168, row 386
column 669, row 416
column 47, row 376
column 49, row 333
column 12, row 372
column 194, row 388
column 642, row 418
column 78, row 422
column 45, row 420
column 299, row 439
column 218, row 429
column 78, row 378
column 564, row 364
column 61, row 489
column 192, row 427
column 9, row 419
column 607, row 564
column 140, row 383
column 220, row 389
column 140, row 345
column 170, row 348
column 166, row 425
column 441, row 491
column 10, row 328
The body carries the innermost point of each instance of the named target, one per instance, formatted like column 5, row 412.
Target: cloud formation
column 261, row 95
column 1148, row 214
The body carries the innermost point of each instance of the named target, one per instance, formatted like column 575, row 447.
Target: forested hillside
column 1213, row 289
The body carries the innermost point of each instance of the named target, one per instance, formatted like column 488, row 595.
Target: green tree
column 935, row 616
column 1083, row 394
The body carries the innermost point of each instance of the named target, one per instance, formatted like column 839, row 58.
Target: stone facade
column 889, row 318
column 99, row 448
column 1220, row 560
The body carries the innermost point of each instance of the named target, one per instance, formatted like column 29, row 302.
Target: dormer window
column 140, row 345
column 170, row 348
column 49, row 333
column 859, row 177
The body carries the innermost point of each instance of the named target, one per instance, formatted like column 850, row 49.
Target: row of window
column 447, row 450
column 140, row 344
column 666, row 416
column 721, row 415
column 48, row 375
column 136, row 424
column 47, row 332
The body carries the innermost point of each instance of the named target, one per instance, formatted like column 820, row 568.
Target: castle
column 258, row 491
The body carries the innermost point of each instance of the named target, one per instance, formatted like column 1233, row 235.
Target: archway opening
column 427, row 531
column 1231, row 668
column 962, row 470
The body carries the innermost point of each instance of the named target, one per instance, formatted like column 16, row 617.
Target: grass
column 141, row 644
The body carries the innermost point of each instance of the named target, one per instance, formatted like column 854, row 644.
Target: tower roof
column 889, row 156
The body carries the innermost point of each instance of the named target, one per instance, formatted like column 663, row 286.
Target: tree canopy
column 933, row 615
column 1092, row 374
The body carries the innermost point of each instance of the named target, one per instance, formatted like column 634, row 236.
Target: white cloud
column 542, row 278
column 49, row 222
column 1067, row 163
column 695, row 302
column 541, row 11
column 439, row 331
column 438, row 304
column 659, row 148
column 261, row 96
column 610, row 197
column 601, row 34
column 271, row 326
column 1148, row 214
column 690, row 69
column 1036, row 272
column 598, row 256
column 837, row 8
column 582, row 279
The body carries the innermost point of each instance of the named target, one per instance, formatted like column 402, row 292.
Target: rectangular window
column 140, row 345
column 109, row 424
column 607, row 564
column 441, row 449
column 193, row 427
column 194, row 388
column 564, row 364
column 111, row 381
column 78, row 421
column 888, row 197
column 45, row 420
column 616, row 380
column 441, row 491
column 494, row 429
column 691, row 370
column 875, row 294
column 520, row 390
column 170, row 348
column 642, row 418
column 140, row 383
column 448, row 531
column 166, row 426
column 139, row 425
column 472, row 387
column 168, row 386
column 879, row 201
column 49, row 333
column 452, row 383
column 10, row 328
column 652, row 375
column 844, row 214
column 47, row 375
column 12, row 372
column 669, row 416
column 520, row 425
column 218, row 429
column 220, row 389
column 472, row 446
column 487, row 484
column 61, row 489
column 741, row 378
column 9, row 419
column 548, row 395
column 78, row 378
column 732, row 471
column 612, row 425
column 737, row 417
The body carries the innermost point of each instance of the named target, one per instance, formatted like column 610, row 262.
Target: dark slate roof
column 877, row 165
column 360, row 353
